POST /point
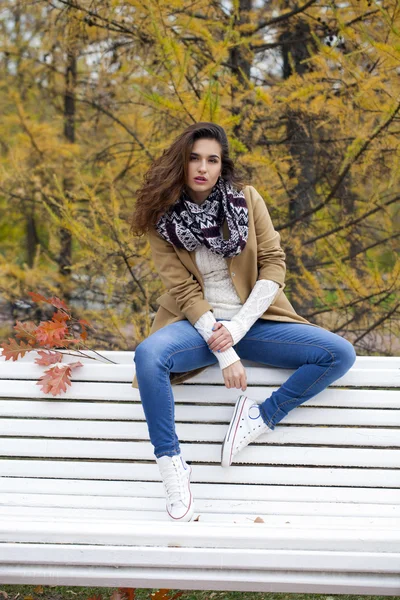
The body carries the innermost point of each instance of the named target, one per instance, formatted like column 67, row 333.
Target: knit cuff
column 226, row 358
column 204, row 326
column 236, row 330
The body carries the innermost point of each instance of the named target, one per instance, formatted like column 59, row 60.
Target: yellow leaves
column 351, row 151
column 161, row 101
column 16, row 279
column 170, row 67
column 263, row 95
column 391, row 52
column 313, row 282
column 237, row 145
column 210, row 103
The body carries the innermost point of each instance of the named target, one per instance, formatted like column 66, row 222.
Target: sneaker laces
column 172, row 482
column 252, row 435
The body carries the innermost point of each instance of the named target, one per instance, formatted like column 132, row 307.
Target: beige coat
column 262, row 258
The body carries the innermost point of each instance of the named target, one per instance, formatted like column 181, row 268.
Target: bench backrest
column 92, row 443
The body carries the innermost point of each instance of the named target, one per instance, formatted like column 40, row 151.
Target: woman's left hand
column 221, row 339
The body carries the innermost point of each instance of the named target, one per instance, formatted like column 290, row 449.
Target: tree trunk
column 65, row 256
column 300, row 136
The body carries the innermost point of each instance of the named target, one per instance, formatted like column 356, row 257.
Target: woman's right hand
column 235, row 376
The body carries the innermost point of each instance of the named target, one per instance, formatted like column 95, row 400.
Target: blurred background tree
column 92, row 92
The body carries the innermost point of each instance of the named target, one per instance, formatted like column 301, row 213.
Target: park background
column 92, row 92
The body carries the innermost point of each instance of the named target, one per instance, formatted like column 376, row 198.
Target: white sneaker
column 246, row 425
column 175, row 473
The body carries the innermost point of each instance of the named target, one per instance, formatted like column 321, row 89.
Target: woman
column 201, row 219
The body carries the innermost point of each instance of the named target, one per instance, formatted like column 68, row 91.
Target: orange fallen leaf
column 55, row 380
column 48, row 358
column 12, row 350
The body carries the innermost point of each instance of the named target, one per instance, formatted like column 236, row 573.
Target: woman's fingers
column 219, row 338
column 219, row 343
column 223, row 347
column 222, row 340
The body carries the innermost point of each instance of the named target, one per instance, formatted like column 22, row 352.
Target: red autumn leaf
column 60, row 317
column 83, row 322
column 58, row 303
column 67, row 341
column 26, row 331
column 75, row 364
column 54, row 301
column 50, row 332
column 56, row 379
column 12, row 350
column 37, row 297
column 48, row 358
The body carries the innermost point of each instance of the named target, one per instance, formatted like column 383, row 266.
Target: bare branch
column 343, row 172
column 350, row 223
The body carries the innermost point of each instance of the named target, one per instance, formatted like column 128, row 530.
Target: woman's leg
column 319, row 356
column 177, row 348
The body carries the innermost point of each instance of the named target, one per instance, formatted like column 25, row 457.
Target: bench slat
column 206, row 505
column 221, row 579
column 208, row 558
column 302, row 415
column 115, row 401
column 25, row 514
column 206, row 579
column 204, row 473
column 302, row 496
column 321, row 435
column 126, row 357
column 118, row 356
column 256, row 375
column 209, row 535
column 286, row 455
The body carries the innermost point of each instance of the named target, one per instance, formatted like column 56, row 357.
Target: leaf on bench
column 56, row 379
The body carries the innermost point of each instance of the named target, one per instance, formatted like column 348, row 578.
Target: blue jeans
column 318, row 355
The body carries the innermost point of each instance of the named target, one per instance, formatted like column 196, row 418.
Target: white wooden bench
column 313, row 507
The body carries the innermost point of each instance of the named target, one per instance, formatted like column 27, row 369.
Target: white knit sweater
column 222, row 295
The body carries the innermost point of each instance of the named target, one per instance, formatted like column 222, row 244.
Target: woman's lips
column 200, row 180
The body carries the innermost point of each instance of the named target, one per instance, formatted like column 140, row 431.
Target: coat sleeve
column 270, row 256
column 180, row 283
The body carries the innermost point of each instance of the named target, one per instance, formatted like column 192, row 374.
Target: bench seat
column 313, row 507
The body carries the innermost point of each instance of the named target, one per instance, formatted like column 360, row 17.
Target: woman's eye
column 195, row 158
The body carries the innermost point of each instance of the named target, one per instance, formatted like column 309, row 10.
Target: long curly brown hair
column 166, row 178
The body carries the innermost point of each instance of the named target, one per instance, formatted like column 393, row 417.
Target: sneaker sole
column 187, row 516
column 229, row 440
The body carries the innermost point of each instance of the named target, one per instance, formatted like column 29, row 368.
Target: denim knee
column 149, row 353
column 142, row 351
column 345, row 356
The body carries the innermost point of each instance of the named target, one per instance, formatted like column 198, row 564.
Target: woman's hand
column 221, row 338
column 235, row 376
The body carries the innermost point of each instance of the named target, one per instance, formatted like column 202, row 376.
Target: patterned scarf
column 188, row 225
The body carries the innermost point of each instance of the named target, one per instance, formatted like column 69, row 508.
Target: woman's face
column 205, row 162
